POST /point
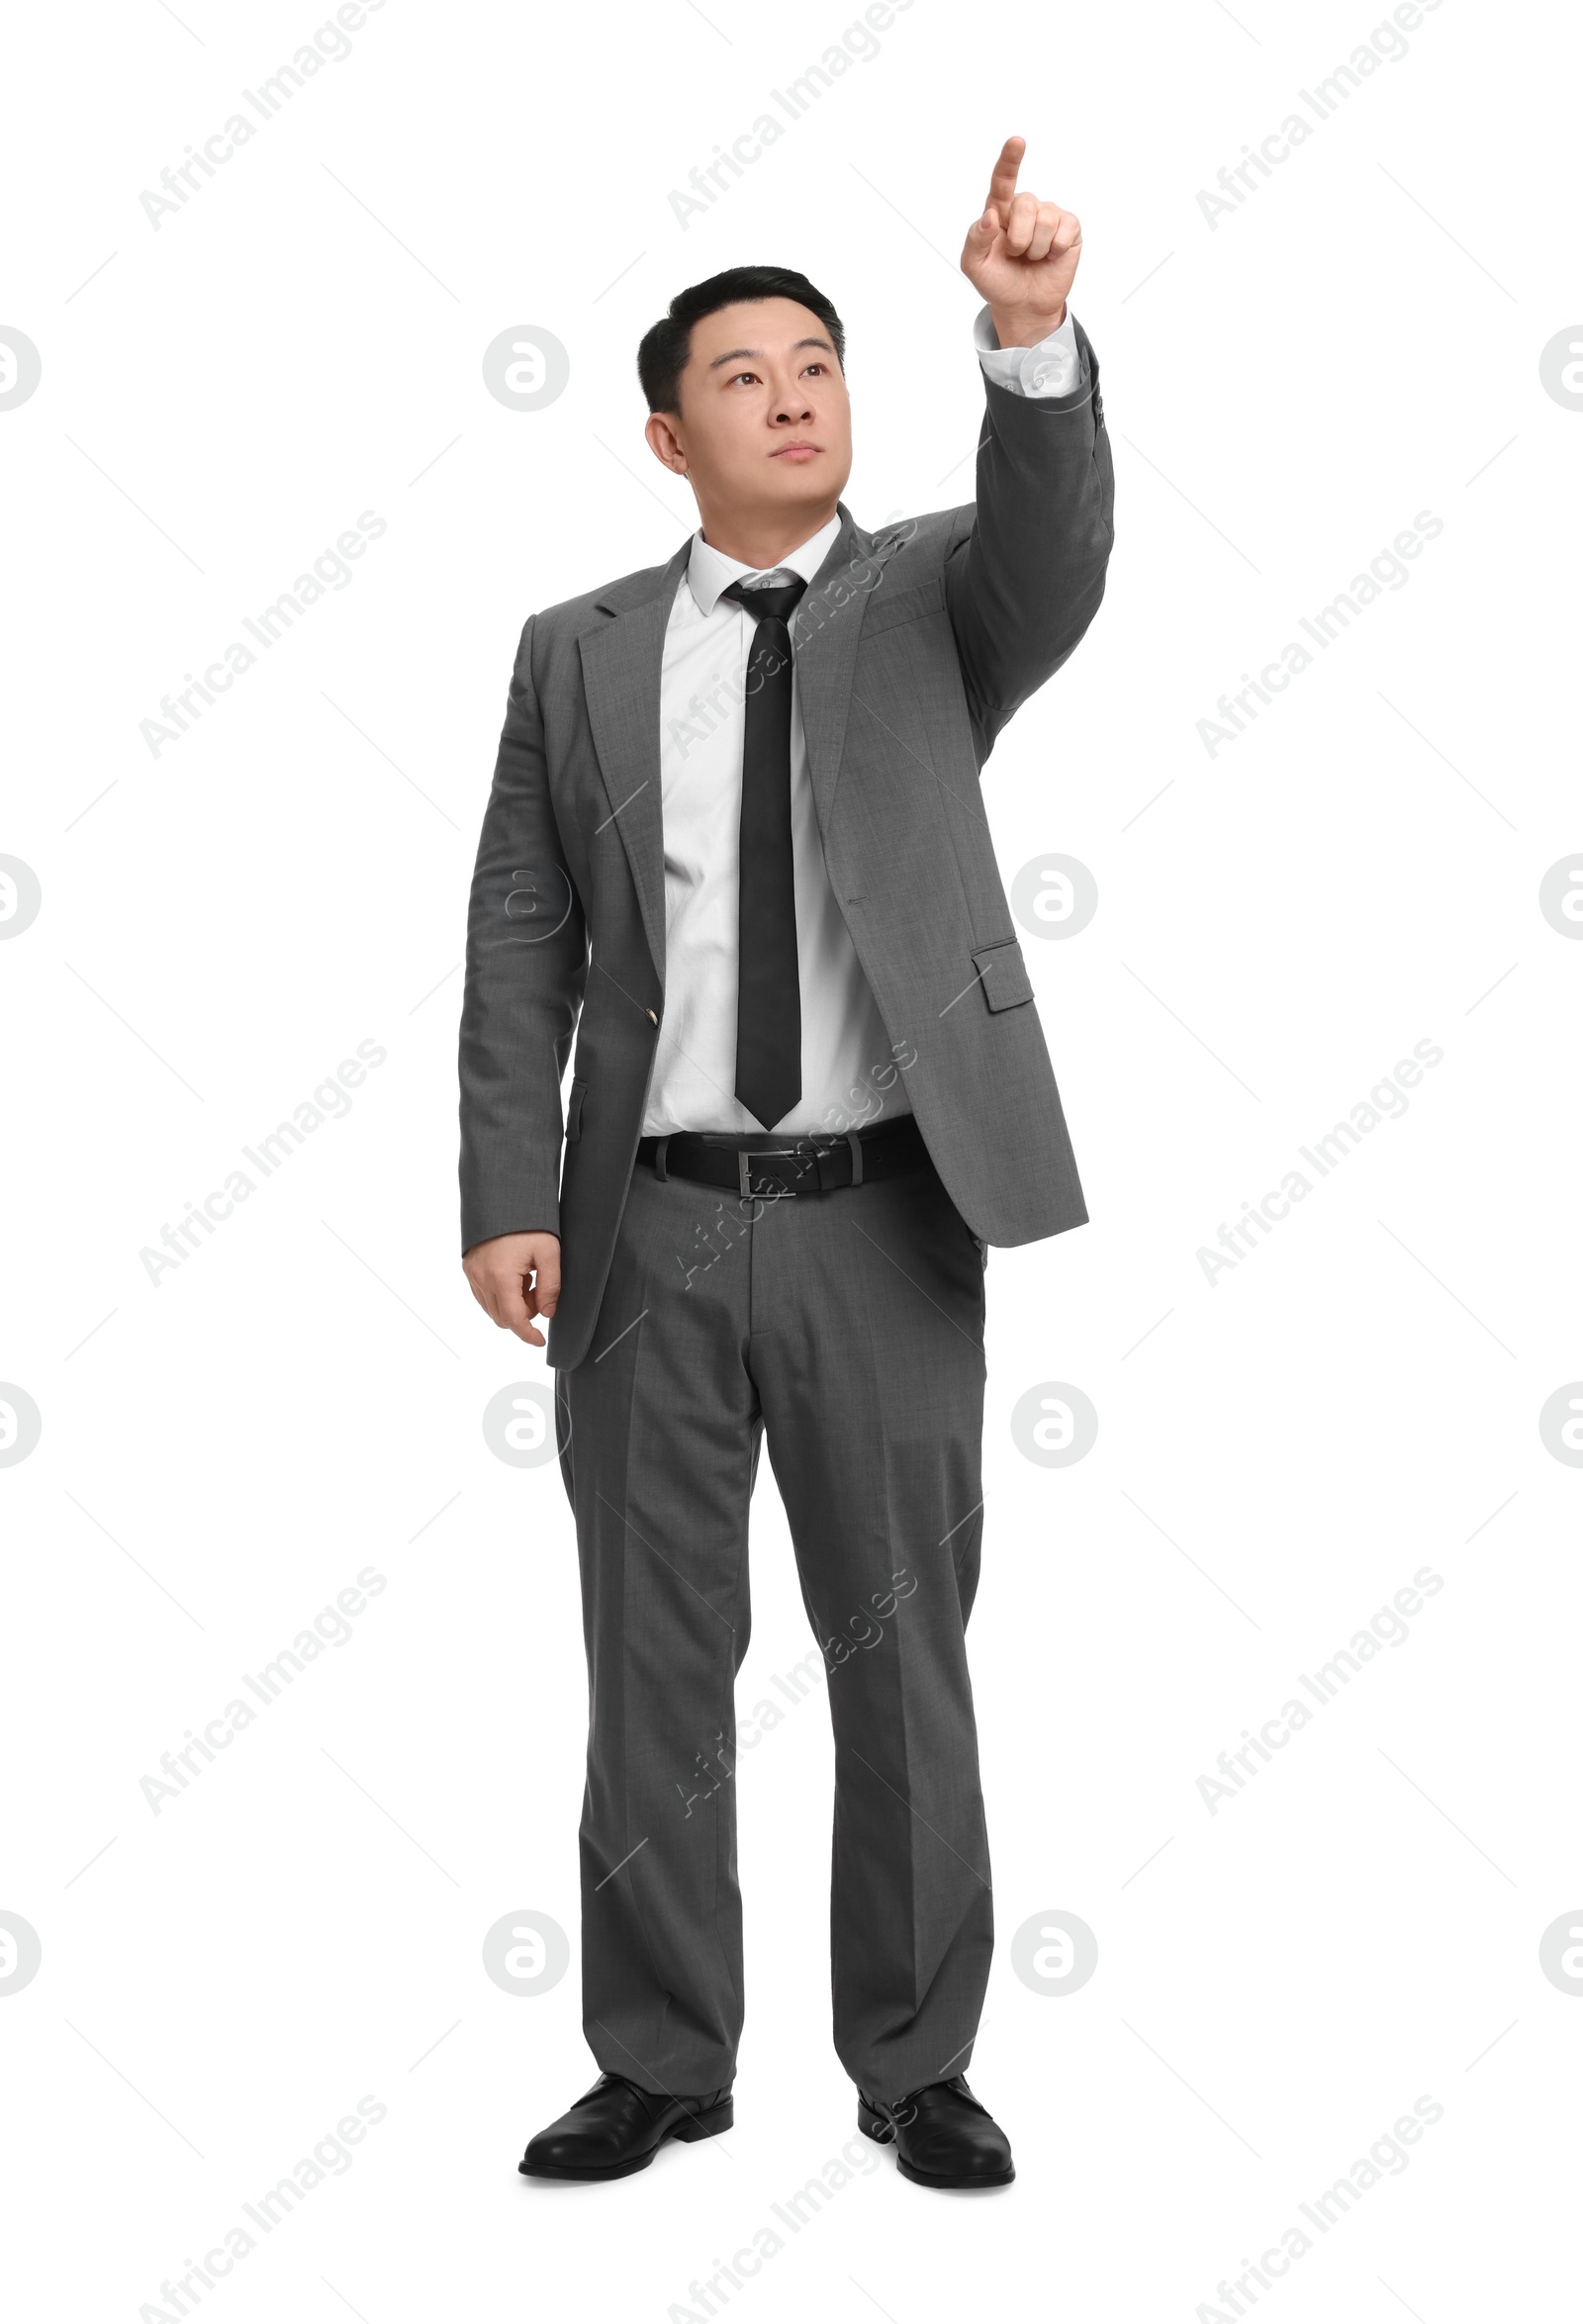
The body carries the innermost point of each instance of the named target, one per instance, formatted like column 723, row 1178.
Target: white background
column 1278, row 1451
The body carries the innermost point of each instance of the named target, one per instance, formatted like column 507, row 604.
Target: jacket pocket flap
column 1003, row 973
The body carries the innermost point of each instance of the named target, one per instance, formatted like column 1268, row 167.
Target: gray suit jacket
column 913, row 649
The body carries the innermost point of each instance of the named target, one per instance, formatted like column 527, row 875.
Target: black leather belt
column 792, row 1163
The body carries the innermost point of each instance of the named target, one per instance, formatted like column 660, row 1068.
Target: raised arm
column 1027, row 580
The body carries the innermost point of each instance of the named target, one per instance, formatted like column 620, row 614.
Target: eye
column 736, row 375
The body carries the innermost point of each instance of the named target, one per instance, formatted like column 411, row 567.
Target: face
column 765, row 428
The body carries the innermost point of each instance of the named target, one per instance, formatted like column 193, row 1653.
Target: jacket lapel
column 621, row 662
column 825, row 642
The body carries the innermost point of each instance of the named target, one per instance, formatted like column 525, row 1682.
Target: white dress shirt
column 849, row 1075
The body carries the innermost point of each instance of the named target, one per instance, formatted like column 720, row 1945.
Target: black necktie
column 769, row 1004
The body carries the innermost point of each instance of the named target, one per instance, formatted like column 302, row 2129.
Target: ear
column 664, row 442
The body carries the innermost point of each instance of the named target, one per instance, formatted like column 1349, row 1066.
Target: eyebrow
column 735, row 354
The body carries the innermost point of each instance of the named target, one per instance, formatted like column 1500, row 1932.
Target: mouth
column 797, row 454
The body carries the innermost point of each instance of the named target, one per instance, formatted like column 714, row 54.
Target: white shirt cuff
column 1052, row 368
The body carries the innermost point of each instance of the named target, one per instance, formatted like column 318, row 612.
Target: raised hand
column 1021, row 256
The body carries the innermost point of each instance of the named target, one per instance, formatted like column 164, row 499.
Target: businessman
column 735, row 843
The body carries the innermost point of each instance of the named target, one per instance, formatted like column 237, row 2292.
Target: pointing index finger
column 1003, row 180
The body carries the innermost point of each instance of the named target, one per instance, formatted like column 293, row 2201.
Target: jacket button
column 653, row 1019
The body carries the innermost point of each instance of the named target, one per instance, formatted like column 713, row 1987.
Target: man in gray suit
column 735, row 842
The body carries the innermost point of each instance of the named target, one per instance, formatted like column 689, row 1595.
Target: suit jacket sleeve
column 526, row 966
column 1026, row 580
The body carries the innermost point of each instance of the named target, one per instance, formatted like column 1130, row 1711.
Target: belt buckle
column 780, row 1193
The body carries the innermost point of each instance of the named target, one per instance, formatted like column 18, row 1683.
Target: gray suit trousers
column 848, row 1326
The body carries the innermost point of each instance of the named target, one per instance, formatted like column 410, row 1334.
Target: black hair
column 663, row 351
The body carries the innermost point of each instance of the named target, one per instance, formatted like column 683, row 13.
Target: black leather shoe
column 943, row 2136
column 615, row 2128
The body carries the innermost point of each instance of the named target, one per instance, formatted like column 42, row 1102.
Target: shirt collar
column 709, row 572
